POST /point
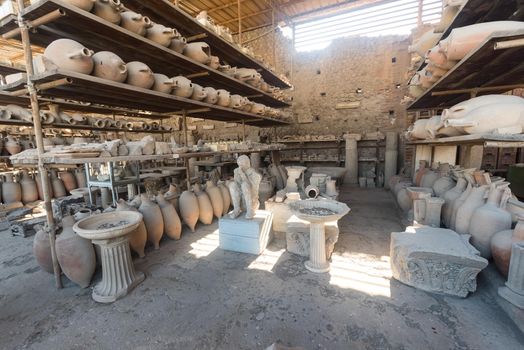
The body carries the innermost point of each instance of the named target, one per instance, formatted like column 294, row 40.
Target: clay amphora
column 224, row 98
column 109, row 10
column 198, row 51
column 137, row 238
column 42, row 251
column 152, row 219
column 236, row 101
column 205, row 207
column 458, row 203
column 12, row 146
column 439, row 59
column 171, row 196
column 80, row 177
column 246, row 74
column 418, row 130
column 183, row 87
column 442, row 185
column 86, row 5
column 460, row 110
column 257, row 108
column 178, row 44
column 139, row 74
column 20, row 113
column 211, row 95
column 29, row 189
column 429, row 178
column 57, row 185
column 403, row 200
column 38, row 180
column 70, row 55
column 417, row 179
column 161, row 34
column 489, row 219
column 425, row 42
column 135, row 22
column 226, row 197
column 69, row 180
column 215, row 195
column 189, row 210
column 198, row 93
column 75, row 254
column 109, row 66
column 501, row 245
column 163, row 83
column 214, row 62
column 274, row 171
column 11, row 191
column 449, row 198
column 475, row 200
column 172, row 224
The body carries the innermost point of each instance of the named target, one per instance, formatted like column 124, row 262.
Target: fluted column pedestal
column 514, row 289
column 317, row 249
column 118, row 272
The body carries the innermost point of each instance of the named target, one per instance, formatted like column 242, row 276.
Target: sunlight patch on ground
column 205, row 245
column 266, row 261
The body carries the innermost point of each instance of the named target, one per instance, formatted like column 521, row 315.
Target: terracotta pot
column 403, row 200
column 29, row 189
column 198, row 51
column 214, row 62
column 442, row 185
column 137, row 238
column 57, row 185
column 183, row 87
column 226, row 197
column 178, row 44
column 501, row 245
column 464, row 213
column 38, row 180
column 12, row 146
column 109, row 66
column 80, row 177
column 69, row 180
column 42, row 251
column 70, row 55
column 429, row 178
column 265, row 191
column 236, row 101
column 163, row 83
column 215, row 195
column 489, row 219
column 246, row 74
column 109, row 10
column 86, row 5
column 439, row 59
column 172, row 224
column 205, row 207
column 198, row 93
column 135, row 22
column 449, row 198
column 11, row 191
column 425, row 42
column 224, row 98
column 274, row 171
column 152, row 219
column 139, row 74
column 189, row 209
column 161, row 34
column 211, row 95
column 257, row 108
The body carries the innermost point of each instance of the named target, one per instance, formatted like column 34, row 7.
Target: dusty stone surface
column 197, row 296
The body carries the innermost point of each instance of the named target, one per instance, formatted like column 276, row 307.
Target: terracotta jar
column 29, row 189
column 75, row 254
column 152, row 219
column 403, row 200
column 236, row 101
column 198, row 51
column 163, row 83
column 12, row 146
column 439, row 59
column 80, row 177
column 42, row 250
column 424, row 42
column 183, row 87
column 449, row 198
column 226, row 197
column 224, row 98
column 161, row 34
column 257, row 108
column 171, row 196
column 135, row 22
column 214, row 62
column 443, row 184
column 57, row 185
column 211, row 95
column 109, row 10
column 109, row 66
column 38, row 180
column 501, row 245
column 189, row 210
column 86, row 5
column 139, row 74
column 70, row 55
column 246, row 74
column 137, row 238
column 457, row 203
column 489, row 219
column 198, row 93
column 475, row 200
column 215, row 195
column 420, row 173
column 429, row 178
column 172, row 224
column 178, row 44
column 265, row 191
column 205, row 207
column 11, row 191
column 69, row 180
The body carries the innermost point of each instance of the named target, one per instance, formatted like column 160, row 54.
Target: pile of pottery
column 442, row 55
column 489, row 114
column 467, row 201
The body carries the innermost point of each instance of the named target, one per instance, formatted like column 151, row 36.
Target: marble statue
column 244, row 188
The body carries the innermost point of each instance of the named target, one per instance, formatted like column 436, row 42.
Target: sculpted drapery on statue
column 244, row 188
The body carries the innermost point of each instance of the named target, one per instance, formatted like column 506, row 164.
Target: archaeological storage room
column 262, row 174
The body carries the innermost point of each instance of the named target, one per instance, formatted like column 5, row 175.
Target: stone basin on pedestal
column 317, row 213
column 417, row 196
column 109, row 231
column 293, row 174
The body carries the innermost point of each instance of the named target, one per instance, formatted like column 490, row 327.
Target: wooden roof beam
column 245, row 16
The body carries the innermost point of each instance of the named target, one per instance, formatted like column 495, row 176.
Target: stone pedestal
column 317, row 249
column 297, row 236
column 390, row 166
column 246, row 236
column 118, row 273
column 293, row 174
column 351, row 158
column 514, row 289
column 433, row 211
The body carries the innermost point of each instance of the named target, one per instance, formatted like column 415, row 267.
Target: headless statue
column 244, row 188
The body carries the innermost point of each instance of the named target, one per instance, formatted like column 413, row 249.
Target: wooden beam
column 225, row 6
column 245, row 16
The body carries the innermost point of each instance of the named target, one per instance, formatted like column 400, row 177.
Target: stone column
column 514, row 289
column 131, row 191
column 118, row 273
column 351, row 158
column 317, row 249
column 433, row 211
column 106, row 199
column 390, row 167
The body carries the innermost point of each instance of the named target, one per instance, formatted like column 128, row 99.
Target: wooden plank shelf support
column 50, row 17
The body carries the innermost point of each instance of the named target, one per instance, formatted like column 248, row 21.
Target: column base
column 512, row 297
column 317, row 268
column 104, row 298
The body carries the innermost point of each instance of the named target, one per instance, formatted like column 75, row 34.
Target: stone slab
column 435, row 260
column 297, row 236
column 246, row 236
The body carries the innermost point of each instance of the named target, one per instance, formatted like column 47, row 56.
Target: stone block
column 297, row 236
column 435, row 260
column 246, row 236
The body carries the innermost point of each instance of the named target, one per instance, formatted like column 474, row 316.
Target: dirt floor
column 197, row 296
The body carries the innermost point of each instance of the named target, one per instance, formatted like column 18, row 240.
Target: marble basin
column 108, row 225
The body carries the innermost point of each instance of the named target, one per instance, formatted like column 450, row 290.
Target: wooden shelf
column 167, row 13
column 308, row 141
column 484, row 67
column 100, row 35
column 78, row 127
column 86, row 88
column 487, row 140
